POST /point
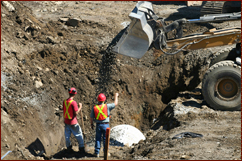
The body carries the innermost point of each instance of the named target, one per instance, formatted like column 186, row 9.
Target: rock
column 51, row 81
column 58, row 2
column 7, row 146
column 8, row 6
column 85, row 117
column 53, row 9
column 185, row 157
column 39, row 68
column 39, row 158
column 52, row 40
column 73, row 22
column 141, row 142
column 126, row 134
column 149, row 133
column 125, row 24
column 38, row 84
column 13, row 87
column 55, row 72
column 44, row 10
column 20, row 71
column 19, row 34
column 63, row 19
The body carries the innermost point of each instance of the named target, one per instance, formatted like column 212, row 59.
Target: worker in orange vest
column 100, row 114
column 70, row 111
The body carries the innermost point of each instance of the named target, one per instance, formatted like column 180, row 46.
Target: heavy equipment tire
column 221, row 86
column 224, row 54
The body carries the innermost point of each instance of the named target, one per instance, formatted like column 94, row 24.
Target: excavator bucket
column 139, row 34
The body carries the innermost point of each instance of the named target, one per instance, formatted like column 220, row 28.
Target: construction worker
column 70, row 111
column 100, row 114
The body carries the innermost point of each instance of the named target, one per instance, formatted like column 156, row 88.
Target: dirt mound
column 218, row 133
column 43, row 55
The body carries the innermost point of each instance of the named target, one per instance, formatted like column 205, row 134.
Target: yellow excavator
column 221, row 85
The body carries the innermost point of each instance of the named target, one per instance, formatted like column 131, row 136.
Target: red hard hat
column 72, row 90
column 101, row 97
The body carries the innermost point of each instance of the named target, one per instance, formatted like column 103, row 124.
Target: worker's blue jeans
column 76, row 131
column 100, row 131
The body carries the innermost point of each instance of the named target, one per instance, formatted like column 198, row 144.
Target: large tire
column 221, row 86
column 224, row 54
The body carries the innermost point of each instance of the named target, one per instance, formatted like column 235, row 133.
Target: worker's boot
column 82, row 151
column 96, row 155
column 69, row 149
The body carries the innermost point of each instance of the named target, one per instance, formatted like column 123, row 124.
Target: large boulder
column 125, row 135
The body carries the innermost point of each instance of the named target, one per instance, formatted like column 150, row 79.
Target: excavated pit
column 42, row 57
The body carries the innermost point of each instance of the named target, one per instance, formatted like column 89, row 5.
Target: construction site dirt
column 50, row 46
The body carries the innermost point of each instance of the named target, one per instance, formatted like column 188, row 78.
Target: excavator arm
column 148, row 29
column 211, row 38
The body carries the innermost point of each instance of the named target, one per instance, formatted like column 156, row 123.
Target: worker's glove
column 92, row 126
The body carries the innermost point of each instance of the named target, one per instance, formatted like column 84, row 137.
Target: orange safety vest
column 68, row 112
column 100, row 112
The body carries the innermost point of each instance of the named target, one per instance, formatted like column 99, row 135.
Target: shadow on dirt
column 36, row 148
column 65, row 154
column 197, row 95
column 183, row 12
column 115, row 143
column 172, row 91
column 194, row 14
column 166, row 119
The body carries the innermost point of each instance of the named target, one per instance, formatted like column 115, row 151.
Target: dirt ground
column 43, row 54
